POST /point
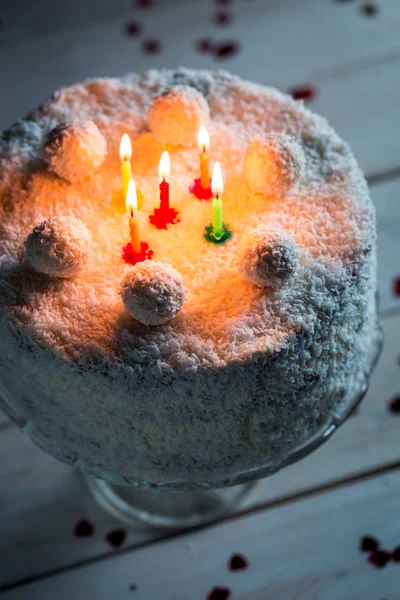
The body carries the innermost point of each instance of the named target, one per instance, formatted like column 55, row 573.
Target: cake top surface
column 322, row 206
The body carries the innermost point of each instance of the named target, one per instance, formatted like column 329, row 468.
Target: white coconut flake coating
column 152, row 292
column 242, row 375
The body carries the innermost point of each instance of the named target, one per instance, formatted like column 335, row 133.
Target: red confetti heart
column 219, row 593
column 305, row 92
column 151, row 46
column 222, row 18
column 116, row 537
column 84, row 528
column 379, row 558
column 224, row 2
column 394, row 405
column 143, row 3
column 132, row 29
column 238, row 562
column 396, row 554
column 396, row 286
column 226, row 49
column 368, row 544
column 369, row 9
column 204, row 45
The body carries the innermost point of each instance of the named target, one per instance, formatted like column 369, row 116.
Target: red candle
column 164, row 171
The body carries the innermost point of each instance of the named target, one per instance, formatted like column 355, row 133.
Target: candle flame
column 131, row 198
column 125, row 147
column 217, row 183
column 164, row 170
column 204, row 139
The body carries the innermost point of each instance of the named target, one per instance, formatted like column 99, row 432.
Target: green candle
column 217, row 188
column 218, row 229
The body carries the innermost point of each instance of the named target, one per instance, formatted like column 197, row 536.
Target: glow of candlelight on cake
column 217, row 186
column 125, row 154
column 164, row 169
column 204, row 145
column 131, row 206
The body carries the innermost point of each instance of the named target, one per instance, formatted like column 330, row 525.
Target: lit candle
column 217, row 186
column 204, row 145
column 125, row 153
column 164, row 171
column 131, row 206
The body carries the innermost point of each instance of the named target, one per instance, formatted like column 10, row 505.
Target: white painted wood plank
column 282, row 44
column 41, row 499
column 361, row 105
column 297, row 32
column 305, row 550
column 386, row 197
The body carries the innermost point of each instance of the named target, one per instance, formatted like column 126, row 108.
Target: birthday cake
column 206, row 357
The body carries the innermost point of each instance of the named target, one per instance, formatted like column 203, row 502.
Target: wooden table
column 300, row 531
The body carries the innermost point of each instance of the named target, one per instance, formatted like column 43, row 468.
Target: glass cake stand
column 181, row 504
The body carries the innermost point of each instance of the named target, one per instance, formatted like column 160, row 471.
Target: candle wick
column 204, row 150
column 131, row 213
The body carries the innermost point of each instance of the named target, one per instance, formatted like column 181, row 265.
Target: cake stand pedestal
column 169, row 509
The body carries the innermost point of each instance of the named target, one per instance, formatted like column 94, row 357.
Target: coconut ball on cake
column 59, row 246
column 176, row 116
column 152, row 292
column 74, row 150
column 273, row 164
column 268, row 255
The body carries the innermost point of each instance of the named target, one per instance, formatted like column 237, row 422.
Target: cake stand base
column 165, row 509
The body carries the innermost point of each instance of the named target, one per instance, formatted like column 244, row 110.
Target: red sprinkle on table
column 143, row 3
column 396, row 286
column 238, row 562
column 151, row 46
column 396, row 554
column 219, row 593
column 222, row 18
column 305, row 92
column 226, row 49
column 379, row 558
column 132, row 29
column 84, row 528
column 116, row 537
column 204, row 45
column 394, row 404
column 369, row 9
column 368, row 544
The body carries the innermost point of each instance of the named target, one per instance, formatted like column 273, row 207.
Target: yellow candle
column 204, row 145
column 217, row 189
column 131, row 206
column 125, row 153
